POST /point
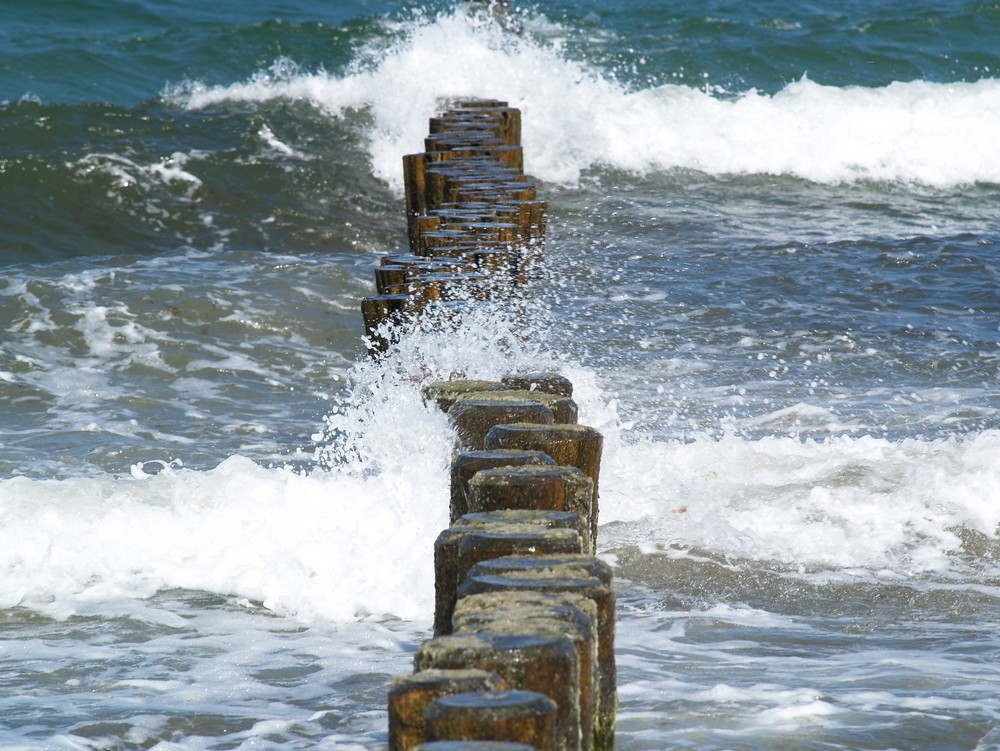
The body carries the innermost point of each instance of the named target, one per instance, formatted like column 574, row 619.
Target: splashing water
column 578, row 116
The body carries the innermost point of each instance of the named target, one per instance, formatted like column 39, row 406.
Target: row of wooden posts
column 474, row 221
column 522, row 655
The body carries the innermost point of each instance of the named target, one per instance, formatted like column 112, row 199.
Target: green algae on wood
column 467, row 464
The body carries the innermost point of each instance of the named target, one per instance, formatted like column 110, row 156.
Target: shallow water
column 771, row 276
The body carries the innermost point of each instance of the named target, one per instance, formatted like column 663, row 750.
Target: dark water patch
column 125, row 52
column 700, row 579
column 103, row 180
column 744, row 655
column 147, row 359
column 766, row 46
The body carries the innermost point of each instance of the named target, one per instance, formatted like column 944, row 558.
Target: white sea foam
column 845, row 503
column 218, row 665
column 351, row 538
column 326, row 545
column 339, row 543
column 355, row 537
column 128, row 173
column 275, row 145
column 579, row 116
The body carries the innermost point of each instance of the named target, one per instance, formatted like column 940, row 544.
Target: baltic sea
column 771, row 271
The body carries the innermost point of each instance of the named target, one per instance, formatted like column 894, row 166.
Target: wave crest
column 579, row 116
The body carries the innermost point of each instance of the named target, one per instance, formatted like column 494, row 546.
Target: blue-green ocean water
column 772, row 274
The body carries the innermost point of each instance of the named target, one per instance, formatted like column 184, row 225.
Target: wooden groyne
column 522, row 655
column 474, row 222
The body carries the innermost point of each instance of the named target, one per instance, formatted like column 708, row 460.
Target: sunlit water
column 771, row 274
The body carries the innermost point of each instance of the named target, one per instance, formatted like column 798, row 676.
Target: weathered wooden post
column 540, row 614
column 576, row 577
column 548, row 665
column 545, row 381
column 474, row 746
column 411, row 695
column 577, row 446
column 382, row 315
column 523, row 717
column 538, row 487
column 446, row 393
column 465, row 465
column 473, row 418
column 531, row 663
column 563, row 408
column 454, row 555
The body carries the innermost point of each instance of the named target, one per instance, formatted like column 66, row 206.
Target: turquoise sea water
column 772, row 274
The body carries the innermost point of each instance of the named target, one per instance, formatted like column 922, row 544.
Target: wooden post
column 564, row 409
column 382, row 314
column 474, row 746
column 536, row 615
column 569, row 445
column 548, row 665
column 411, row 695
column 466, row 464
column 473, row 418
column 415, row 183
column 546, row 615
column 446, row 393
column 544, row 381
column 546, row 488
column 545, row 519
column 553, row 580
column 453, row 556
column 522, row 717
column 561, row 564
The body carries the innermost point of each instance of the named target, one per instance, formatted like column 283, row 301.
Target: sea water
column 771, row 273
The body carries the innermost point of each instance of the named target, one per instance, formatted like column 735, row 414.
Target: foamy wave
column 370, row 429
column 351, row 538
column 355, row 537
column 937, row 134
column 578, row 116
column 326, row 545
column 348, row 540
column 846, row 502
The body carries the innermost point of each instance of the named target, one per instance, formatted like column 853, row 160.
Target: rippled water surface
column 771, row 275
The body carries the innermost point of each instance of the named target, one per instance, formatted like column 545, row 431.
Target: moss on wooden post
column 467, row 464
